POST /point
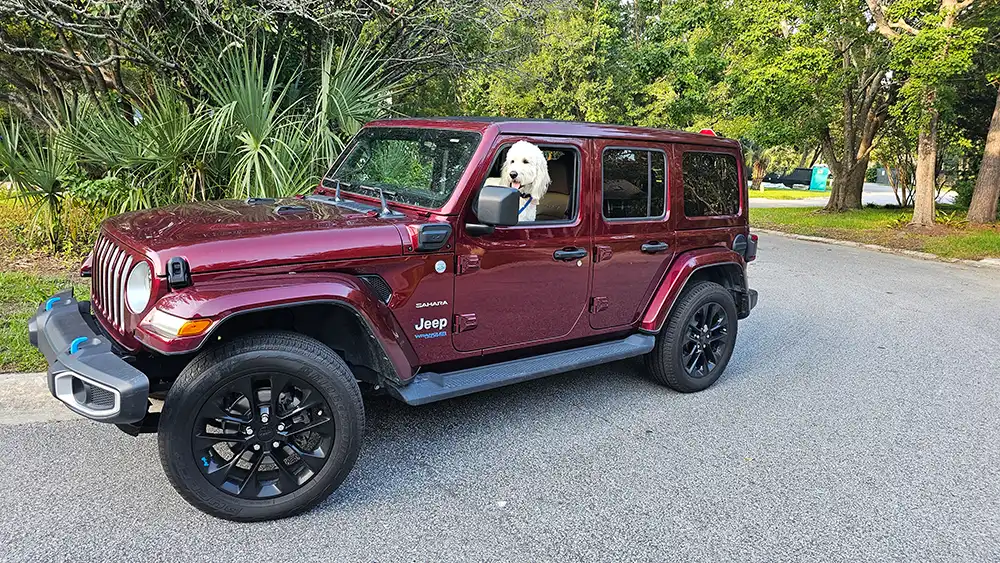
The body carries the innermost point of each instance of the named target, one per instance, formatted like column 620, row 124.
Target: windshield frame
column 370, row 194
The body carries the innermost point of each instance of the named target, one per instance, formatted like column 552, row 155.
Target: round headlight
column 139, row 287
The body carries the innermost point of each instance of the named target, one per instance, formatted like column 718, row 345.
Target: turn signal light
column 172, row 326
column 194, row 328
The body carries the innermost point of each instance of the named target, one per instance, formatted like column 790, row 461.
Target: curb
column 984, row 263
column 25, row 397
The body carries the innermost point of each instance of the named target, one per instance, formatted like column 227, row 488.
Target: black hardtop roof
column 529, row 126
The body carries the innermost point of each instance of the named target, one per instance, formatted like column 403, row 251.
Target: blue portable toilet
column 819, row 177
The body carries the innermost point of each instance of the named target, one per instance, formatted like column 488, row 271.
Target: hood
column 236, row 234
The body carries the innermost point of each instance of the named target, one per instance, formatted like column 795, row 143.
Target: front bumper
column 84, row 372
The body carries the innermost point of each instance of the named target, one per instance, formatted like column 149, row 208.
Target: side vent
column 379, row 286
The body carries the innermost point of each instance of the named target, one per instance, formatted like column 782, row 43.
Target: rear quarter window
column 711, row 184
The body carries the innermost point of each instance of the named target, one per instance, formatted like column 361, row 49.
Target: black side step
column 429, row 387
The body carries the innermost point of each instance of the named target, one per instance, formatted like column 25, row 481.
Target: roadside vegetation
column 20, row 293
column 950, row 237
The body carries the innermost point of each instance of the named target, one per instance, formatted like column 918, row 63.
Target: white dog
column 527, row 170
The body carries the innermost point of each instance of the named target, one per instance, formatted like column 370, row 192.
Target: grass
column 780, row 193
column 886, row 227
column 20, row 294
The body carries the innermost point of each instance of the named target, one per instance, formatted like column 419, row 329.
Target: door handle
column 570, row 254
column 654, row 247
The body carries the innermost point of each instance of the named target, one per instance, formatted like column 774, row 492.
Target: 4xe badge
column 439, row 325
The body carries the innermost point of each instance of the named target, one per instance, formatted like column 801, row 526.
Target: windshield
column 411, row 165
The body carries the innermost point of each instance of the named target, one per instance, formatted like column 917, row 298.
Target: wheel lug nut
column 249, row 431
column 256, row 447
column 275, row 445
column 281, row 428
column 319, row 413
column 263, row 418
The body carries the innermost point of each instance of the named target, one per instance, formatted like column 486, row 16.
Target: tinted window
column 634, row 183
column 711, row 185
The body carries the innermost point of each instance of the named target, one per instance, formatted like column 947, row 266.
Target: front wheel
column 263, row 427
column 697, row 340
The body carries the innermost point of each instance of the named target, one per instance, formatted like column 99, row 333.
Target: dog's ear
column 542, row 179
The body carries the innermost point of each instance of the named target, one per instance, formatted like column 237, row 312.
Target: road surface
column 858, row 420
column 876, row 194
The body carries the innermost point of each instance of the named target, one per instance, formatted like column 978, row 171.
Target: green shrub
column 871, row 175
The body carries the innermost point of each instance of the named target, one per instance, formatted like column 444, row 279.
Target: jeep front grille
column 110, row 267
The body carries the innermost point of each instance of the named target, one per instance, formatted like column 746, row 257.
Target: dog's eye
column 526, row 161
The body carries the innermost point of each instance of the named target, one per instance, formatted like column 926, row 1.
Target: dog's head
column 526, row 169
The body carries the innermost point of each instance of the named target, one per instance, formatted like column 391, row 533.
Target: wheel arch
column 316, row 305
column 337, row 324
column 719, row 265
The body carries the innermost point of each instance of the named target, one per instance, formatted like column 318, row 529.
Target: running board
column 429, row 387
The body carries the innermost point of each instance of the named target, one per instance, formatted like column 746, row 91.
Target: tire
column 666, row 362
column 226, row 392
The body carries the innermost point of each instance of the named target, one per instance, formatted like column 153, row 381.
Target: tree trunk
column 856, row 184
column 805, row 155
column 923, row 208
column 846, row 188
column 758, row 174
column 983, row 208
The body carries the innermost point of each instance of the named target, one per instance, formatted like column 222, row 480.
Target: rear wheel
column 697, row 340
column 263, row 427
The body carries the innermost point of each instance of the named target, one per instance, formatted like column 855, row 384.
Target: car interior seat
column 554, row 205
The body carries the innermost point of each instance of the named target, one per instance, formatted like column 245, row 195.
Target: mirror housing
column 495, row 206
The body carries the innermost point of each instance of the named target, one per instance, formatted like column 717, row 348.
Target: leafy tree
column 985, row 196
column 51, row 49
column 812, row 70
column 934, row 46
column 983, row 208
column 577, row 69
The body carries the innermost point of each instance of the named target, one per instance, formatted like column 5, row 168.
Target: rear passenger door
column 633, row 242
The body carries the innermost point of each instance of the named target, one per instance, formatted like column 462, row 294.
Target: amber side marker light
column 171, row 326
column 194, row 328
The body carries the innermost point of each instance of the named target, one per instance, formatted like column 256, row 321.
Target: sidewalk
column 24, row 397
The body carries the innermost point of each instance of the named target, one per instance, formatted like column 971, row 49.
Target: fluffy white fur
column 526, row 169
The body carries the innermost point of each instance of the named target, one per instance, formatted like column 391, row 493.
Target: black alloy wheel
column 706, row 340
column 263, row 436
column 697, row 339
column 263, row 426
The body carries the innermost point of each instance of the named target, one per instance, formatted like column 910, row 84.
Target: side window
column 634, row 183
column 711, row 184
column 558, row 204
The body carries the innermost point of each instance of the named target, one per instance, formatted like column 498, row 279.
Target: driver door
column 527, row 283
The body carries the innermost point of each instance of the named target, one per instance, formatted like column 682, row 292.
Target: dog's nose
column 513, row 173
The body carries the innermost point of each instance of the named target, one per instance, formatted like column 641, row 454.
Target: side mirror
column 494, row 206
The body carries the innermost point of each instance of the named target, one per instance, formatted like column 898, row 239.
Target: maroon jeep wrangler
column 406, row 272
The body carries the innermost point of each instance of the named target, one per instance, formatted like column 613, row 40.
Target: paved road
column 877, row 194
column 857, row 421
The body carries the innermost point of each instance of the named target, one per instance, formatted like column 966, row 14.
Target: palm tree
column 36, row 166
